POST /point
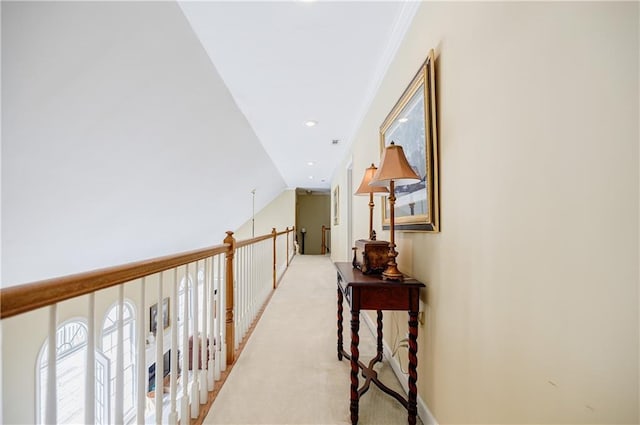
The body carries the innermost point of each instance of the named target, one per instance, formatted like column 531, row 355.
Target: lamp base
column 392, row 273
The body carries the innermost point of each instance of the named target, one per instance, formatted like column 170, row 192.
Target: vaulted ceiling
column 138, row 129
column 296, row 62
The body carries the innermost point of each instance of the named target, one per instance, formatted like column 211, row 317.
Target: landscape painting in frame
column 412, row 125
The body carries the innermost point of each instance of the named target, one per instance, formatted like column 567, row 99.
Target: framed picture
column 412, row 125
column 153, row 316
column 336, row 205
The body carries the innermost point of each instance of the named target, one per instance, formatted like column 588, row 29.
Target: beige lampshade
column 394, row 166
column 364, row 188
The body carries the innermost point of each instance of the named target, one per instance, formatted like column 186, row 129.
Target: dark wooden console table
column 369, row 292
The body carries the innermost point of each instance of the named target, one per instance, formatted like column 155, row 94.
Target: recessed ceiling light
column 310, row 177
column 311, row 123
column 403, row 119
column 310, row 163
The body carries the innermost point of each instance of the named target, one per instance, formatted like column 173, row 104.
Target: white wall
column 120, row 141
column 532, row 296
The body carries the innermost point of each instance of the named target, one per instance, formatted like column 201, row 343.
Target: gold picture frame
column 153, row 316
column 412, row 125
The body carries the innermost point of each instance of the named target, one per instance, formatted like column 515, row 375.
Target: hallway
column 288, row 372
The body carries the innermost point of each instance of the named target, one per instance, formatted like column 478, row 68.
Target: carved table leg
column 379, row 355
column 413, row 364
column 339, row 324
column 355, row 353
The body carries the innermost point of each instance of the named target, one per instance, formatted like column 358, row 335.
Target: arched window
column 71, row 358
column 182, row 287
column 109, row 348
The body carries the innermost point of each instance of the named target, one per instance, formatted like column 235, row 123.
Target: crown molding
column 400, row 26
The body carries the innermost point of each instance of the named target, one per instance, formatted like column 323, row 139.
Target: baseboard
column 423, row 411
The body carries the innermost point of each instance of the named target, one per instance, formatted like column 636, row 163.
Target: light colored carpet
column 289, row 372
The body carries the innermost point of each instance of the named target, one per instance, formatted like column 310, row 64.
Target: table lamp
column 365, row 189
column 394, row 168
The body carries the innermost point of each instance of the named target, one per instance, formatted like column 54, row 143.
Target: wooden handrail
column 286, row 231
column 23, row 298
column 27, row 297
column 240, row 244
column 16, row 300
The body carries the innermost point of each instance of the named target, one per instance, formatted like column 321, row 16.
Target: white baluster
column 204, row 345
column 195, row 399
column 218, row 318
column 51, row 404
column 268, row 271
column 257, row 279
column 159, row 352
column 267, row 286
column 265, row 271
column 90, row 382
column 211, row 336
column 142, row 378
column 243, row 296
column 173, row 414
column 236, row 299
column 239, row 310
column 256, row 289
column 119, row 391
column 247, row 292
column 184, row 406
column 223, row 319
column 259, row 275
column 252, row 270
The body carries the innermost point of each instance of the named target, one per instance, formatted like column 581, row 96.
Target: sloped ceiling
column 120, row 141
column 289, row 62
column 123, row 139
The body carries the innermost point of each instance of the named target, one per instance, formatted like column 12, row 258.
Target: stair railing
column 200, row 305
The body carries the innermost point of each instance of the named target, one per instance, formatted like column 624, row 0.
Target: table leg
column 413, row 364
column 339, row 324
column 355, row 354
column 379, row 356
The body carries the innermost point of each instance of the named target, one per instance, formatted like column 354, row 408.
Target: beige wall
column 279, row 213
column 532, row 293
column 313, row 211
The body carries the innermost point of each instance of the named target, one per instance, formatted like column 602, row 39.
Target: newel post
column 275, row 235
column 287, row 251
column 230, row 331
